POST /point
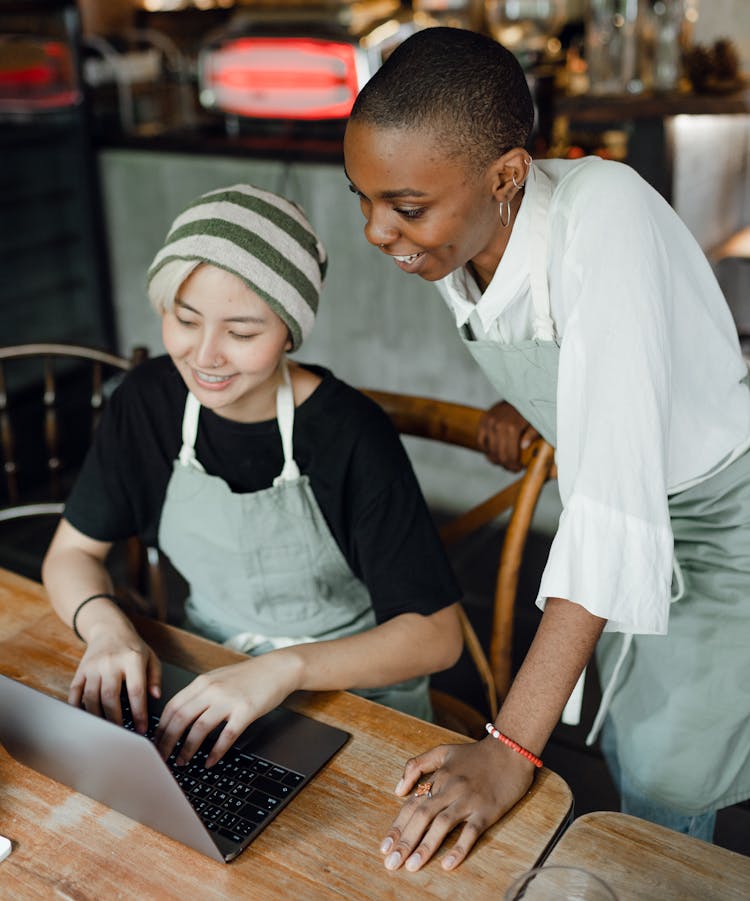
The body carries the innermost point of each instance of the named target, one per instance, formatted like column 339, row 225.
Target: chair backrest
column 42, row 379
column 48, row 359
column 458, row 424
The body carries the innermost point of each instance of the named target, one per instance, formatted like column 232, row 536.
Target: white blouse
column 650, row 393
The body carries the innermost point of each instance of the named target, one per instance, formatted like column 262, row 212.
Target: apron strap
column 544, row 326
column 285, row 416
column 571, row 715
column 190, row 432
column 609, row 691
column 679, row 580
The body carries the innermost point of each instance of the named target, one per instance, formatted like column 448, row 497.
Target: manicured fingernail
column 449, row 861
column 386, row 846
column 392, row 861
column 413, row 862
column 400, row 786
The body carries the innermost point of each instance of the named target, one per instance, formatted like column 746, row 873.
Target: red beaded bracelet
column 495, row 733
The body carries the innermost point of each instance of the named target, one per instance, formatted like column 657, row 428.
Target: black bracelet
column 80, row 607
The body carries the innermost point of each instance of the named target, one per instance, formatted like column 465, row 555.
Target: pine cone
column 699, row 66
column 726, row 60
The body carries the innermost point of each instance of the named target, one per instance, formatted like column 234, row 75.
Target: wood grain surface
column 324, row 845
column 642, row 861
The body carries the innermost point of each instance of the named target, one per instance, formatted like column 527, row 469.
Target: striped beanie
column 263, row 239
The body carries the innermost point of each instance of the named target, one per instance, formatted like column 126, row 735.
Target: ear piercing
column 527, row 163
column 505, row 208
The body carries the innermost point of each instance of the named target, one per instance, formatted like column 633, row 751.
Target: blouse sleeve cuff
column 613, row 564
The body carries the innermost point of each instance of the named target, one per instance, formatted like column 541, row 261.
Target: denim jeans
column 635, row 803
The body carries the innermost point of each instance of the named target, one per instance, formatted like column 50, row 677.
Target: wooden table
column 643, row 861
column 323, row 845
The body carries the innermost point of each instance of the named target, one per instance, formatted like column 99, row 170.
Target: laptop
column 216, row 811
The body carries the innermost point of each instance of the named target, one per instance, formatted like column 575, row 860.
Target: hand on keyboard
column 235, row 796
column 232, row 695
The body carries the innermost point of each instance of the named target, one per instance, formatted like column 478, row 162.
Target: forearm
column 474, row 784
column 403, row 648
column 562, row 646
column 71, row 573
column 70, row 576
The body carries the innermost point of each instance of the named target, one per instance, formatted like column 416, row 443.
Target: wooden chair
column 60, row 371
column 736, row 246
column 457, row 424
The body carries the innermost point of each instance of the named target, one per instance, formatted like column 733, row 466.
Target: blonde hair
column 165, row 285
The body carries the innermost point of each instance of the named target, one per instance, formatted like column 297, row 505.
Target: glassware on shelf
column 525, row 27
column 669, row 24
column 612, row 47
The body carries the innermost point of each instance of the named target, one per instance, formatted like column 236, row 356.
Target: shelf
column 593, row 109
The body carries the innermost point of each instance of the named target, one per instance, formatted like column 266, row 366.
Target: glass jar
column 525, row 26
column 667, row 21
column 612, row 47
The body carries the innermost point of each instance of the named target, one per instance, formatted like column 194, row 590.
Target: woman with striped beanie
column 281, row 495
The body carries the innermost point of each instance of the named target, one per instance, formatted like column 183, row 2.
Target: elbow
column 451, row 656
column 61, row 557
column 449, row 640
column 47, row 566
column 53, row 556
column 456, row 648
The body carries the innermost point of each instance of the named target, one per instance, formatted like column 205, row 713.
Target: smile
column 210, row 379
column 411, row 258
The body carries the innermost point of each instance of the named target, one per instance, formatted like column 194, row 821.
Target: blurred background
column 114, row 113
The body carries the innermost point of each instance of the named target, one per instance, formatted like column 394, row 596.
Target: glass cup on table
column 555, row 883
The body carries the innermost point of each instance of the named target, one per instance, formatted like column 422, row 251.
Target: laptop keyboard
column 237, row 794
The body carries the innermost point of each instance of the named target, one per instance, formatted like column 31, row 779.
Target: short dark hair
column 460, row 84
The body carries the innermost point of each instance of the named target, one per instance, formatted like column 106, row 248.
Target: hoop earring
column 505, row 205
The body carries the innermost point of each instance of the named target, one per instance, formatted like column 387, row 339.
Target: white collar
column 511, row 278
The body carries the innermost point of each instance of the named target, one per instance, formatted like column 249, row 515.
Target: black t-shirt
column 358, row 469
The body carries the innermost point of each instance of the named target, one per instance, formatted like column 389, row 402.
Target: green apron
column 681, row 709
column 680, row 702
column 264, row 569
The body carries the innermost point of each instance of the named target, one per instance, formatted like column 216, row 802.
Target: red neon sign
column 282, row 78
column 35, row 74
